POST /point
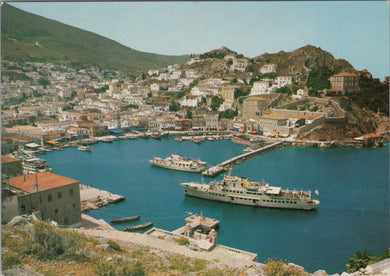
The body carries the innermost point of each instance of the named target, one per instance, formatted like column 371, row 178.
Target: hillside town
column 49, row 104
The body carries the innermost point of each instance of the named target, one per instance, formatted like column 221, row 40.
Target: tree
column 189, row 114
column 44, row 82
column 216, row 102
column 228, row 114
column 284, row 90
column 174, row 106
column 241, row 92
column 373, row 95
column 359, row 260
column 319, row 78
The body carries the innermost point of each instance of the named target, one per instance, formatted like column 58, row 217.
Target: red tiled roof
column 8, row 159
column 345, row 74
column 46, row 181
column 372, row 135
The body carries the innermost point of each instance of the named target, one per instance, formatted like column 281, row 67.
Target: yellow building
column 55, row 197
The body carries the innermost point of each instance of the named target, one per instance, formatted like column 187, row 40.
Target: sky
column 357, row 31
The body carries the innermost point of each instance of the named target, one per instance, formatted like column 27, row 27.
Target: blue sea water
column 353, row 187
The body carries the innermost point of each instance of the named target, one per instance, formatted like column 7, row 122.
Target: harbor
column 224, row 166
column 156, row 196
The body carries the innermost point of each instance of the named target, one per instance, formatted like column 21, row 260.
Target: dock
column 93, row 198
column 224, row 166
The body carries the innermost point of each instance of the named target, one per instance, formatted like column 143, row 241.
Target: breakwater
column 225, row 165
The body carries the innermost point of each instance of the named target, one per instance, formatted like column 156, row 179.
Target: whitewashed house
column 282, row 81
column 260, row 87
column 268, row 68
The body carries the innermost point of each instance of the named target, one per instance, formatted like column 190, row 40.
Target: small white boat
column 84, row 148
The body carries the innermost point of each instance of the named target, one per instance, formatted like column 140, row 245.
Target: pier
column 224, row 166
column 93, row 198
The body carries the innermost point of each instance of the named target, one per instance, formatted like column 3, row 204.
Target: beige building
column 227, row 93
column 55, row 197
column 345, row 83
column 273, row 122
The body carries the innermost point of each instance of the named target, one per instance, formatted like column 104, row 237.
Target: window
column 71, row 191
column 59, row 195
column 49, row 197
column 74, row 205
column 55, row 211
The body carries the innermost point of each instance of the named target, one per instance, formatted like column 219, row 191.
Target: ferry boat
column 177, row 162
column 239, row 190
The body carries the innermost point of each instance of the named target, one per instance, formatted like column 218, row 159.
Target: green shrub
column 114, row 245
column 10, row 260
column 104, row 268
column 275, row 268
column 50, row 272
column 214, row 272
column 135, row 268
column 359, row 260
column 181, row 263
column 182, row 241
column 49, row 242
column 199, row 265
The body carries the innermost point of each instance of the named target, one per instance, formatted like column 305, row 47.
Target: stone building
column 55, row 197
column 344, row 83
column 227, row 93
column 11, row 166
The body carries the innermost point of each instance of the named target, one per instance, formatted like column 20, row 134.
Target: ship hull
column 267, row 201
column 176, row 168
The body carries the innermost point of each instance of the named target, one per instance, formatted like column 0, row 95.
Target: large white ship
column 177, row 162
column 240, row 190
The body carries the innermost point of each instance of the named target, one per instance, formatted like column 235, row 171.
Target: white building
column 301, row 93
column 190, row 100
column 164, row 76
column 239, row 64
column 175, row 75
column 283, row 81
column 155, row 87
column 268, row 68
column 260, row 87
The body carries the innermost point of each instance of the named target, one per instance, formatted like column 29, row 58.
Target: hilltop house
column 260, row 87
column 268, row 68
column 343, row 83
column 283, row 81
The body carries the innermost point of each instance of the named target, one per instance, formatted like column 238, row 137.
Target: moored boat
column 238, row 190
column 125, row 219
column 84, row 148
column 177, row 162
column 138, row 226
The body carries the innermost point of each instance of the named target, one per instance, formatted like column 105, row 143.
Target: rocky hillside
column 301, row 61
column 29, row 37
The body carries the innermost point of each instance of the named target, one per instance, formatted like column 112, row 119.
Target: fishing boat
column 180, row 163
column 156, row 135
column 125, row 219
column 239, row 190
column 138, row 226
column 107, row 139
